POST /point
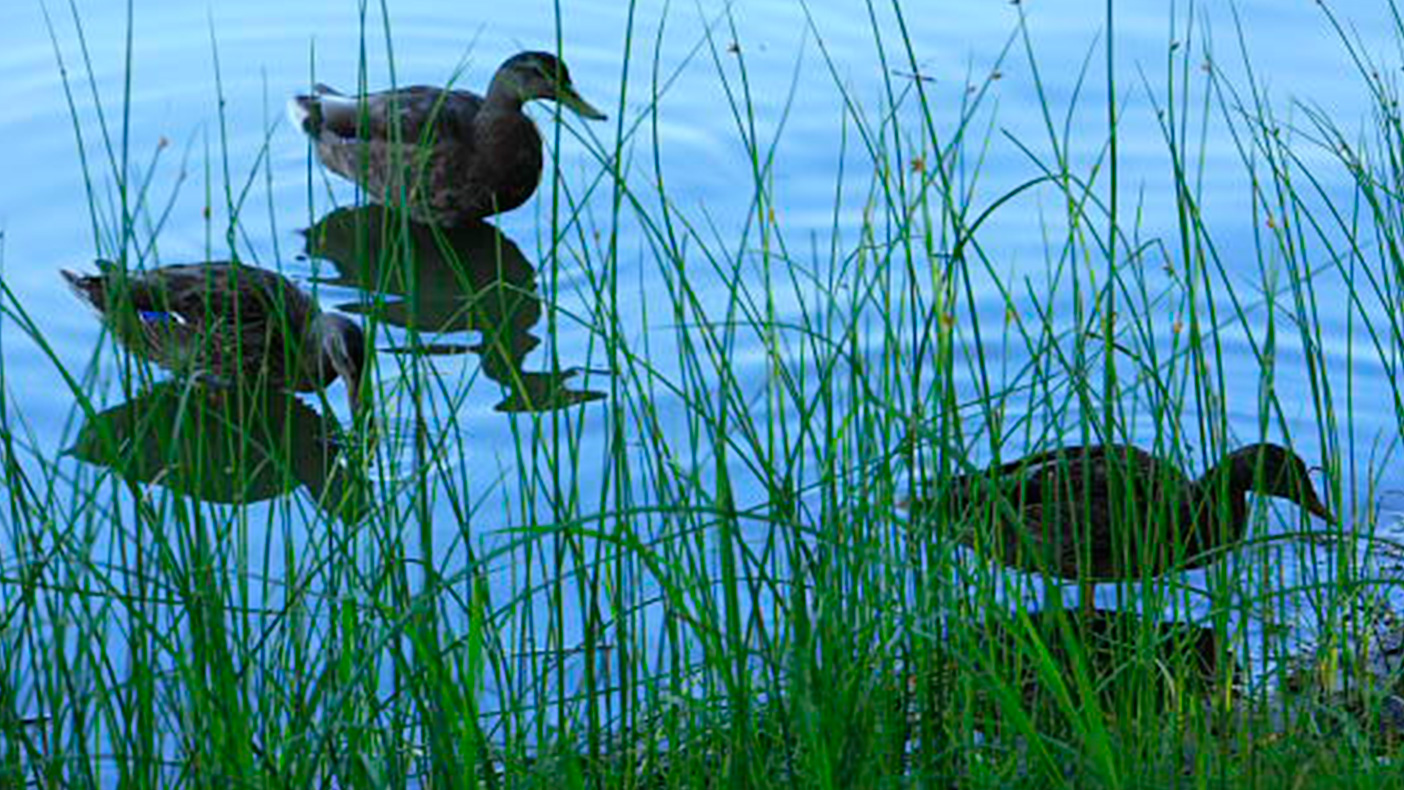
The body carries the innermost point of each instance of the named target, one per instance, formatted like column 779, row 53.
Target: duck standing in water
column 449, row 155
column 237, row 324
column 1115, row 512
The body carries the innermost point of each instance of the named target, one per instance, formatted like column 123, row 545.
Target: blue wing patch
column 160, row 318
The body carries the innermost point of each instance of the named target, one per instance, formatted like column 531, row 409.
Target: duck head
column 1274, row 470
column 341, row 353
column 539, row 75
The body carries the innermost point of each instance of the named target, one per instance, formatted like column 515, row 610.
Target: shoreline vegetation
column 688, row 575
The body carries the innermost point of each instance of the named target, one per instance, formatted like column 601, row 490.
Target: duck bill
column 353, row 399
column 1314, row 507
column 578, row 105
column 353, row 385
column 362, row 422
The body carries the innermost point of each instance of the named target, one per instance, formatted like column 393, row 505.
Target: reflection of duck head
column 468, row 277
column 228, row 446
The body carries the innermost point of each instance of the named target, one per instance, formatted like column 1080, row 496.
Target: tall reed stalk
column 710, row 577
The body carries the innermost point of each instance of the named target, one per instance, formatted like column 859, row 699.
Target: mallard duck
column 1057, row 512
column 461, row 156
column 236, row 324
column 467, row 278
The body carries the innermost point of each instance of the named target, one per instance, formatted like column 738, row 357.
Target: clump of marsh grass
column 704, row 577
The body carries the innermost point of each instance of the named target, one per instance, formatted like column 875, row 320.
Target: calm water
column 267, row 51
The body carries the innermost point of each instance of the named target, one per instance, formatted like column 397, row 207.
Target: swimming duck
column 1057, row 512
column 461, row 156
column 234, row 323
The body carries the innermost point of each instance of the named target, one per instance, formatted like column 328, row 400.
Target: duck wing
column 1065, row 511
column 211, row 294
column 1048, row 476
column 406, row 115
column 225, row 319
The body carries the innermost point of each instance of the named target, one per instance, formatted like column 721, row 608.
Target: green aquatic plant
column 703, row 577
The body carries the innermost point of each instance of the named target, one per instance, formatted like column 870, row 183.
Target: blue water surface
column 197, row 116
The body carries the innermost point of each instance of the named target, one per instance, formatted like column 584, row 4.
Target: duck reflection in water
column 469, row 277
column 231, row 446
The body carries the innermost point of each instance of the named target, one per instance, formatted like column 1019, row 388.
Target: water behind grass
column 573, row 355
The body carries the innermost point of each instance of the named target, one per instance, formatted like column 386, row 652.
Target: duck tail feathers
column 308, row 111
column 305, row 113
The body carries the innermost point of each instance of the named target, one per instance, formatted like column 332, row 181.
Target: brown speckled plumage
column 450, row 156
column 235, row 323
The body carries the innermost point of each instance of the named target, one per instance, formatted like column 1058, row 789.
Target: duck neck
column 317, row 367
column 504, row 94
column 1220, row 503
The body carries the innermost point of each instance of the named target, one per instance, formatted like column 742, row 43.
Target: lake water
column 181, row 140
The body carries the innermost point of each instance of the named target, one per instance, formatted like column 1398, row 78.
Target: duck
column 461, row 156
column 228, row 322
column 1057, row 512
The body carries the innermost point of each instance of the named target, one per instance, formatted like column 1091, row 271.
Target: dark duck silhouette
column 1116, row 512
column 235, row 450
column 447, row 281
column 234, row 324
column 449, row 156
column 1129, row 657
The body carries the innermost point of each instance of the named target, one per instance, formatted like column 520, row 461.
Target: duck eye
column 546, row 71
